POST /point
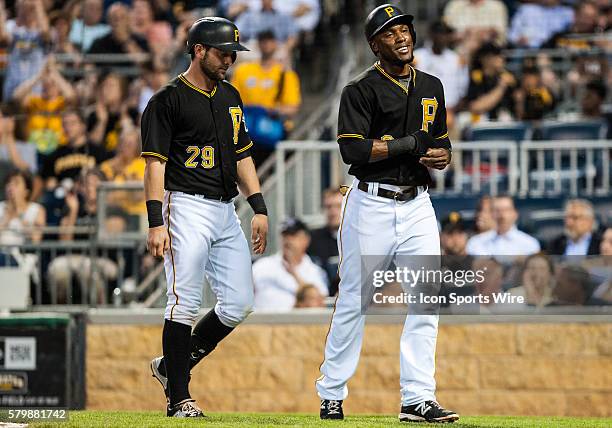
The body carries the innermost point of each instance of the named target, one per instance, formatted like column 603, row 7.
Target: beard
column 209, row 71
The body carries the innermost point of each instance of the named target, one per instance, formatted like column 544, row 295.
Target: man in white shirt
column 505, row 239
column 278, row 277
column 437, row 59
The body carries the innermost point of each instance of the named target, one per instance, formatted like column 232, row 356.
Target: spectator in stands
column 483, row 218
column 532, row 99
column 491, row 85
column 21, row 156
column 271, row 96
column 20, row 220
column 152, row 79
column 308, row 296
column 580, row 237
column 60, row 34
column 255, row 21
column 593, row 98
column 493, row 275
column 506, row 239
column 126, row 166
column 574, row 287
column 537, row 281
column 121, row 39
column 324, row 241
column 44, row 111
column 111, row 113
column 27, row 37
column 479, row 20
column 453, row 236
column 80, row 210
column 277, row 278
column 601, row 267
column 158, row 34
column 453, row 241
column 438, row 59
column 66, row 162
column 19, row 216
column 305, row 13
column 89, row 26
column 585, row 24
column 535, row 23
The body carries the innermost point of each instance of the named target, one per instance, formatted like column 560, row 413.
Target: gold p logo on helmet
column 236, row 35
column 389, row 11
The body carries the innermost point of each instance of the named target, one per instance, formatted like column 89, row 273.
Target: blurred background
column 527, row 92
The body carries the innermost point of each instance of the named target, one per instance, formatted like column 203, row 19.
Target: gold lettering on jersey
column 430, row 106
column 386, row 137
column 389, row 11
column 236, row 35
column 208, row 156
column 76, row 160
column 236, row 114
column 194, row 151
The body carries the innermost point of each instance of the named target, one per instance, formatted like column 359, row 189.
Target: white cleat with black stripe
column 427, row 411
column 186, row 409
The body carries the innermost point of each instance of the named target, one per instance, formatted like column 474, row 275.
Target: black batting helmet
column 385, row 16
column 216, row 32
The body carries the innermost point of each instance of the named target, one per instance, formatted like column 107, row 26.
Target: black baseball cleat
column 427, row 411
column 186, row 409
column 158, row 370
column 331, row 409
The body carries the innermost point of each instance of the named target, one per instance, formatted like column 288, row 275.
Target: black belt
column 212, row 197
column 403, row 196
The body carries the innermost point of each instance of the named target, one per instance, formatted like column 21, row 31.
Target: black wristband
column 401, row 146
column 256, row 201
column 154, row 213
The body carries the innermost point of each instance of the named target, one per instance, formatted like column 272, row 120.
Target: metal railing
column 565, row 167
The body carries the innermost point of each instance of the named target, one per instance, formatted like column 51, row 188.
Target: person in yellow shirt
column 127, row 166
column 44, row 111
column 271, row 96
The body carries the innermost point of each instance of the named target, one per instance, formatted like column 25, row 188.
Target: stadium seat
column 587, row 130
column 514, row 131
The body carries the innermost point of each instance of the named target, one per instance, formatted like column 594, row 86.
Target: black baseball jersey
column 379, row 106
column 200, row 135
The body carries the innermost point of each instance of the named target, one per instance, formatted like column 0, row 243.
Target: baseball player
column 197, row 149
column 392, row 127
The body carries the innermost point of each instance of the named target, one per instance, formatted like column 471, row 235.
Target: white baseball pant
column 206, row 240
column 372, row 225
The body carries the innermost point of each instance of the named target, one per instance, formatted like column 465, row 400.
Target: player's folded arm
column 355, row 149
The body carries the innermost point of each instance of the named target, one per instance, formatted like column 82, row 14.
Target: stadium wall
column 560, row 369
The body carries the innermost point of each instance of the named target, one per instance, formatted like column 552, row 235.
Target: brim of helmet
column 399, row 19
column 230, row 47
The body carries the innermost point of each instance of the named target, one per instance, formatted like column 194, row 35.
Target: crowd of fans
column 76, row 76
column 498, row 64
column 573, row 268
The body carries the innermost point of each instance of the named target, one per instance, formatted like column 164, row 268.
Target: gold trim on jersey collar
column 391, row 78
column 192, row 86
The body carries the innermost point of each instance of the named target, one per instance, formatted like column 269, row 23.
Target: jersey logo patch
column 236, row 114
column 430, row 106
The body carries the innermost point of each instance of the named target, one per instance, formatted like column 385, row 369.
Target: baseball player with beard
column 197, row 152
column 392, row 128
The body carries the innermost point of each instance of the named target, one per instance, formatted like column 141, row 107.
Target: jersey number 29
column 207, row 153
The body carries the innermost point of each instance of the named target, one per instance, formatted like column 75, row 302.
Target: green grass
column 156, row 419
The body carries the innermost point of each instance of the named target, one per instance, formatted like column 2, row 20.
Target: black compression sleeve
column 401, row 146
column 257, row 203
column 154, row 213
